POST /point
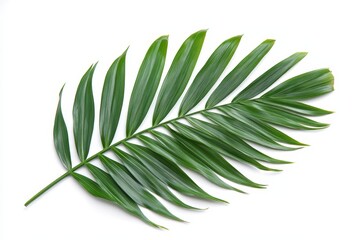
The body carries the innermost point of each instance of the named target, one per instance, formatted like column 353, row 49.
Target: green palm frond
column 202, row 144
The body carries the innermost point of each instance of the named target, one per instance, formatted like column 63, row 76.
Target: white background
column 44, row 44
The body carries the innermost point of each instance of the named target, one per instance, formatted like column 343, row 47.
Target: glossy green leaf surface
column 275, row 116
column 209, row 74
column 262, row 127
column 169, row 158
column 148, row 178
column 180, row 154
column 112, row 99
column 61, row 138
column 167, row 148
column 269, row 77
column 84, row 114
column 133, row 189
column 294, row 106
column 239, row 73
column 244, row 130
column 214, row 161
column 146, row 84
column 165, row 170
column 232, row 139
column 218, row 144
column 109, row 186
column 304, row 86
column 178, row 75
column 91, row 186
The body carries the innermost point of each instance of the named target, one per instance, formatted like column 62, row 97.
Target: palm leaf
column 111, row 100
column 146, row 84
column 230, row 131
column 178, row 75
column 61, row 138
column 84, row 114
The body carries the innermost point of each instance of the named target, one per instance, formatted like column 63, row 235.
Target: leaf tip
column 269, row 41
column 237, row 37
column 162, row 227
column 61, row 90
column 126, row 50
column 163, row 38
column 202, row 31
column 286, row 162
column 240, row 191
column 301, row 54
column 94, row 65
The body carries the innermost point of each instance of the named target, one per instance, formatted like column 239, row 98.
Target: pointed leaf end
column 236, row 38
column 163, row 38
column 269, row 41
column 94, row 65
column 301, row 55
column 61, row 90
column 239, row 191
column 201, row 32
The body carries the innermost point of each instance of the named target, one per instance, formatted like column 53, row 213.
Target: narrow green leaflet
column 214, row 161
column 83, row 114
column 179, row 154
column 112, row 99
column 166, row 147
column 244, row 130
column 232, row 139
column 133, row 189
column 209, row 74
column 294, row 106
column 304, row 86
column 178, row 75
column 61, row 139
column 91, row 186
column 166, row 170
column 269, row 77
column 218, row 145
column 190, row 190
column 148, row 178
column 266, row 129
column 273, row 115
column 239, row 73
column 146, row 84
column 106, row 182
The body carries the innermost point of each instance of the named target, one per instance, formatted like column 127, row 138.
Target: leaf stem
column 53, row 183
column 69, row 172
